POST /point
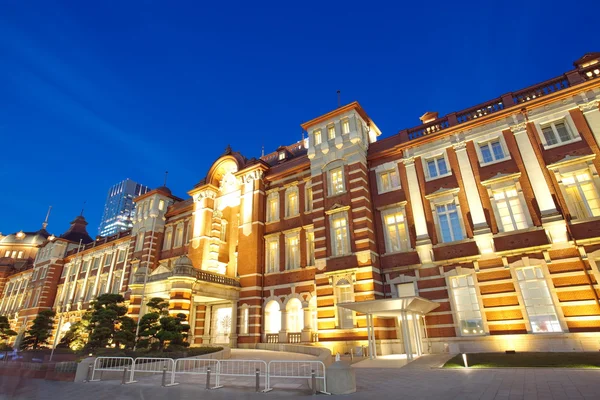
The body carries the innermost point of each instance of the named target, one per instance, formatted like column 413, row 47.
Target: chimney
column 429, row 116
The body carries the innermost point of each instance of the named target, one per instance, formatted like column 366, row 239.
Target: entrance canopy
column 407, row 308
column 392, row 307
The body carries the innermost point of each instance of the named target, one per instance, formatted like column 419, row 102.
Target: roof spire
column 82, row 208
column 166, row 175
column 262, row 151
column 339, row 98
column 45, row 223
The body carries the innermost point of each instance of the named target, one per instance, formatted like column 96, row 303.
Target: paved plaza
column 421, row 379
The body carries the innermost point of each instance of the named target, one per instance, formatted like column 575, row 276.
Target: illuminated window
column 272, row 255
column 223, row 235
column 139, row 243
column 538, row 302
column 345, row 126
column 291, row 201
column 178, row 236
column 437, row 167
column 336, row 181
column 388, row 180
column 86, row 265
column 20, row 255
column 492, row 151
column 557, row 132
column 43, row 272
column 116, row 286
column 396, row 237
column 308, row 198
column 96, row 263
column 168, row 239
column 7, row 254
column 318, row 138
column 273, row 207
column 108, row 259
column 582, row 195
column 35, row 272
column 343, row 294
column 511, row 216
column 331, row 132
column 244, row 321
column 448, row 222
column 466, row 305
column 292, row 251
column 121, row 255
column 281, row 155
column 310, row 248
column 161, row 205
column 339, row 234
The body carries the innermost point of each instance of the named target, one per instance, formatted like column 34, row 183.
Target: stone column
column 207, row 321
column 423, row 245
column 306, row 332
column 233, row 335
column 283, row 331
column 406, row 337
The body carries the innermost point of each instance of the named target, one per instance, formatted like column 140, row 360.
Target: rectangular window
column 139, row 243
column 510, row 210
column 557, row 132
column 336, row 179
column 331, row 132
column 582, row 195
column 86, row 265
column 168, row 240
column 318, row 138
column 406, row 289
column 339, row 227
column 466, row 305
column 64, row 273
column 388, row 180
column 161, row 205
column 310, row 248
column 272, row 207
column 492, row 151
column 272, row 258
column 396, row 238
column 36, row 298
column 96, row 263
column 108, row 259
column 344, row 291
column 281, row 155
column 538, row 302
column 20, row 255
column 116, row 284
column 308, row 199
column 43, row 273
column 437, row 167
column 345, row 127
column 449, row 223
column 244, row 321
column 7, row 254
column 291, row 208
column 178, row 236
column 121, row 257
column 292, row 251
column 35, row 272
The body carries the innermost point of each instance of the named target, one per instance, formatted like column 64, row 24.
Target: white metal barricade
column 296, row 370
column 153, row 365
column 113, row 364
column 242, row 368
column 195, row 366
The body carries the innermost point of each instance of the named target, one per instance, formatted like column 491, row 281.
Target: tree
column 40, row 331
column 125, row 335
column 106, row 317
column 5, row 331
column 150, row 324
column 77, row 335
column 172, row 331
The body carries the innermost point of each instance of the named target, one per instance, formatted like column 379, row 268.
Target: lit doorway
column 221, row 324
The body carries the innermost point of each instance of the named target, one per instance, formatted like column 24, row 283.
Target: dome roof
column 28, row 238
column 183, row 261
column 164, row 189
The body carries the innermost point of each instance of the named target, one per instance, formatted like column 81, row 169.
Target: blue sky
column 95, row 94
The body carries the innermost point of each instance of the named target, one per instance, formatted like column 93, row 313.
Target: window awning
column 392, row 307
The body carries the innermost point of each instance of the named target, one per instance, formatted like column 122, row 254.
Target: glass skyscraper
column 119, row 209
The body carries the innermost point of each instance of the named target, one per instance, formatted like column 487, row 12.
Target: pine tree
column 5, row 331
column 40, row 331
column 77, row 335
column 106, row 316
column 149, row 323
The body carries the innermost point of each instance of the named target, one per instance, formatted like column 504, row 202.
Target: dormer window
column 281, row 155
column 331, row 132
column 318, row 138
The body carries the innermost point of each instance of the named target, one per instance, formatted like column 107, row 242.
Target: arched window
column 272, row 317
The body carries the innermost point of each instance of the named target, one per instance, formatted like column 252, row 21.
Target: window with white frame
column 272, row 254
column 336, row 181
column 437, row 166
column 538, row 301
column 178, row 236
column 291, row 201
column 344, row 291
column 331, row 132
column 36, row 298
column 273, row 207
column 64, row 273
column 318, row 138
column 121, row 257
column 7, row 254
column 310, row 247
column 43, row 272
column 388, row 180
column 116, row 284
column 85, row 266
column 96, row 263
column 35, row 272
column 139, row 243
column 292, row 251
column 511, row 215
column 108, row 259
column 466, row 305
column 20, row 255
column 492, row 151
column 557, row 132
column 308, row 198
column 223, row 235
column 582, row 195
column 345, row 126
column 188, row 229
column 168, row 239
column 339, row 234
column 448, row 222
column 244, row 320
column 281, row 155
column 161, row 205
column 396, row 237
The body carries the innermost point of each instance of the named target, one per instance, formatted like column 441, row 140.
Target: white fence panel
column 195, row 366
column 296, row 370
column 152, row 365
column 113, row 364
column 242, row 368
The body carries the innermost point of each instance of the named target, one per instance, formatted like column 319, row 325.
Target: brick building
column 482, row 223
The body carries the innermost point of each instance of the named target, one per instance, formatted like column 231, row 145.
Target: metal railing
column 113, row 364
column 153, row 366
column 242, row 368
column 195, row 366
column 314, row 370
